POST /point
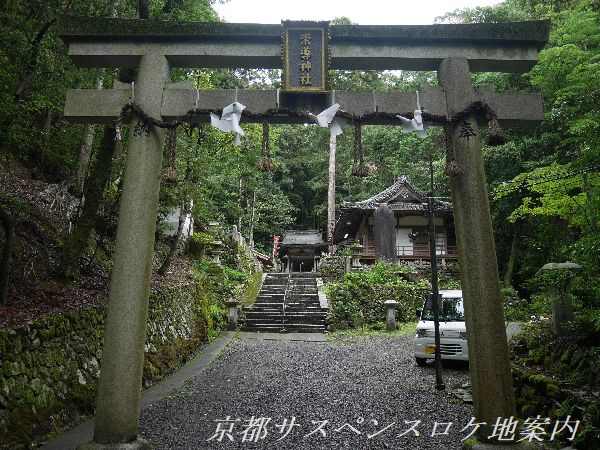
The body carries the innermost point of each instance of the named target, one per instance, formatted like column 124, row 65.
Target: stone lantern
column 214, row 250
column 234, row 313
column 562, row 309
column 357, row 250
column 390, row 314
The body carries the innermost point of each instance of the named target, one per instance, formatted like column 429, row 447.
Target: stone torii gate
column 153, row 47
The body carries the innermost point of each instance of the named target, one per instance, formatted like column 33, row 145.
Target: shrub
column 358, row 299
column 332, row 267
column 518, row 309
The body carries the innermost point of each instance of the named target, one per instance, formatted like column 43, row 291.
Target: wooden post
column 119, row 391
column 490, row 372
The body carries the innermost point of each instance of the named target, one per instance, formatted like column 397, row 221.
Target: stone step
column 260, row 316
column 290, row 328
column 300, row 317
column 263, row 325
column 303, row 297
column 291, row 317
column 265, row 310
column 299, row 313
column 303, row 312
column 269, row 314
column 263, row 329
column 304, row 328
column 264, row 319
column 303, row 303
column 302, row 320
column 263, row 313
column 295, row 307
column 264, row 322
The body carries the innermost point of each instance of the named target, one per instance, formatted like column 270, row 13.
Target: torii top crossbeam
column 101, row 42
column 499, row 47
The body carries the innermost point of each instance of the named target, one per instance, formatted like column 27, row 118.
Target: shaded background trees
column 543, row 183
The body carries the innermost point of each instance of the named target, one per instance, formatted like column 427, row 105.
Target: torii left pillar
column 119, row 391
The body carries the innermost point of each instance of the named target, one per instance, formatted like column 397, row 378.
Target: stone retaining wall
column 49, row 369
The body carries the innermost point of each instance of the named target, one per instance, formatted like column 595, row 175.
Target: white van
column 453, row 332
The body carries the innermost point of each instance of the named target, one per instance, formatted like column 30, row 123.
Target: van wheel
column 421, row 362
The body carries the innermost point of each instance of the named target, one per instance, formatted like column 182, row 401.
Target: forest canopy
column 544, row 184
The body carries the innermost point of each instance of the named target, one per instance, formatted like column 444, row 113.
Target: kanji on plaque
column 305, row 53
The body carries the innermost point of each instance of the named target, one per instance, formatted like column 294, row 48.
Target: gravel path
column 367, row 383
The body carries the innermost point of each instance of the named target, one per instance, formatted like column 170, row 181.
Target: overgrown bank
column 559, row 377
column 49, row 369
column 357, row 298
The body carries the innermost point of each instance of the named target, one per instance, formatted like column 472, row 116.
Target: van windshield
column 451, row 310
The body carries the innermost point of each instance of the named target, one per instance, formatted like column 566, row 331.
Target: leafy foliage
column 358, row 299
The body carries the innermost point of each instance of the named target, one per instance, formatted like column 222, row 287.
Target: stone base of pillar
column 138, row 444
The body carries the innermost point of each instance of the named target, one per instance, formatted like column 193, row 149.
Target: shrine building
column 356, row 223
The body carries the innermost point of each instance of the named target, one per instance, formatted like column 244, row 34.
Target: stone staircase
column 301, row 312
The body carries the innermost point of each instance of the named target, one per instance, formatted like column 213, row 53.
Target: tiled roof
column 401, row 196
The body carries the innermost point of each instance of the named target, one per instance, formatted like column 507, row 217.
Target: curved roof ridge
column 385, row 196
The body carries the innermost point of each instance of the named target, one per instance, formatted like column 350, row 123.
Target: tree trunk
column 590, row 211
column 331, row 192
column 85, row 151
column 170, row 174
column 143, row 9
column 251, row 235
column 171, row 5
column 48, row 122
column 241, row 191
column 510, row 265
column 94, row 191
column 9, row 233
column 23, row 89
column 183, row 212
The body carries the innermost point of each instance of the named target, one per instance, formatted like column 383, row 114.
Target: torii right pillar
column 490, row 371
